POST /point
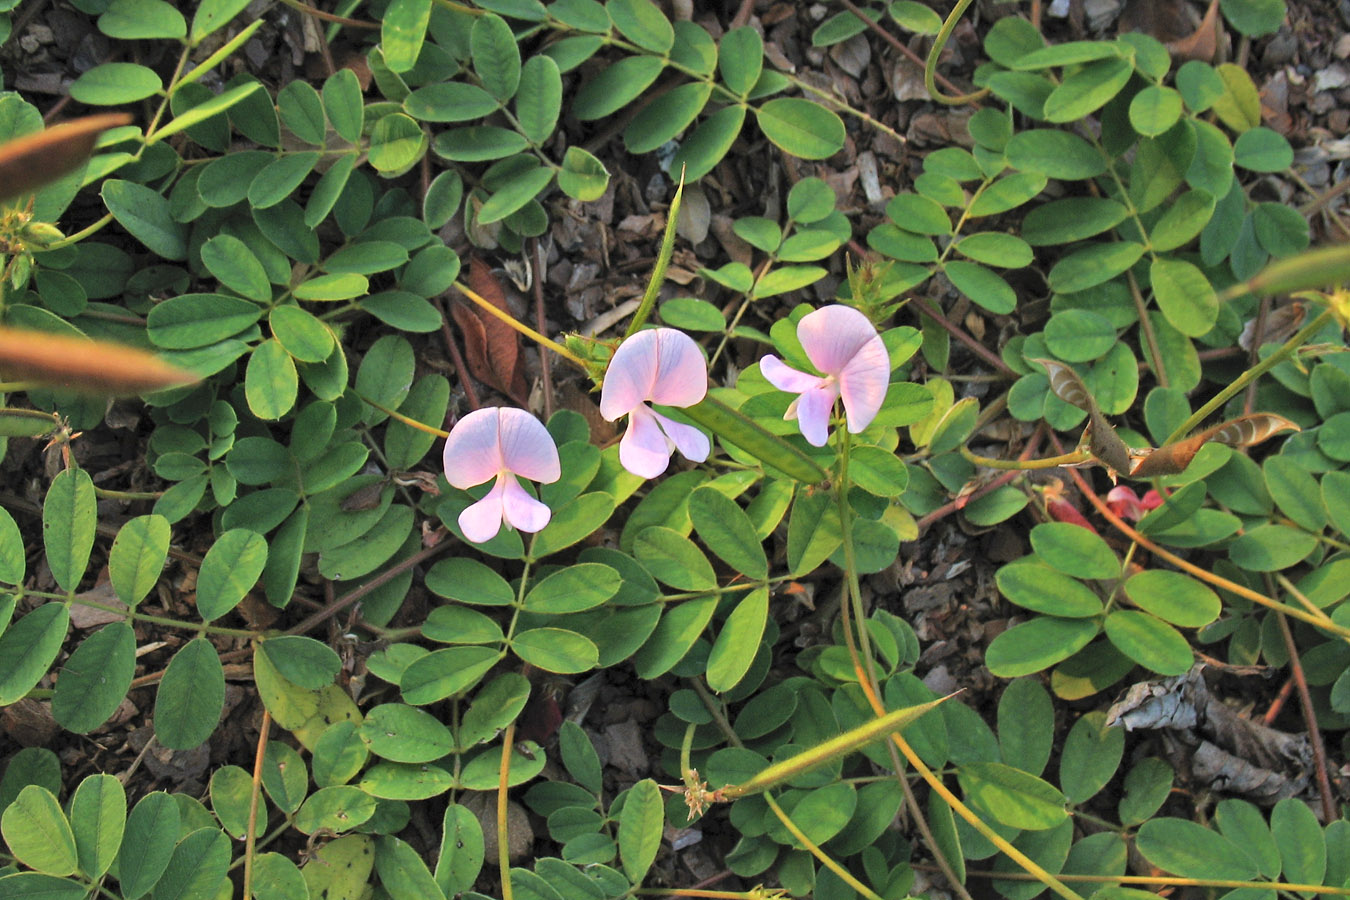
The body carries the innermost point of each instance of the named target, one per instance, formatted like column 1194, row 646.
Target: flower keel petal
column 643, row 449
column 481, row 521
column 813, row 413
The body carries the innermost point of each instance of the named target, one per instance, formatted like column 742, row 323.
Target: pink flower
column 843, row 345
column 1124, row 502
column 501, row 443
column 660, row 365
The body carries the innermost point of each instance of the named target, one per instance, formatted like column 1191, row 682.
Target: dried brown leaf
column 29, row 162
column 491, row 347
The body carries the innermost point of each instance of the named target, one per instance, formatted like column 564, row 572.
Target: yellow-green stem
column 521, row 327
column 825, row 859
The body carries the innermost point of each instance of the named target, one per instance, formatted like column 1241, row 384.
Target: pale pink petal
column 833, row 335
column 481, row 521
column 813, row 413
column 863, row 383
column 631, row 376
column 522, row 511
column 472, row 452
column 527, row 447
column 692, row 443
column 786, row 378
column 1124, row 502
column 644, row 450
column 681, row 372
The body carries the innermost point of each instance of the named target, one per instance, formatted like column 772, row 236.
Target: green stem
column 930, row 66
column 825, row 859
column 521, row 327
column 1247, row 377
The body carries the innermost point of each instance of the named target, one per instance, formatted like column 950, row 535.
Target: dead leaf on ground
column 491, row 347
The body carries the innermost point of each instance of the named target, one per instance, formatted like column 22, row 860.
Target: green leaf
column 146, row 216
column 1041, row 589
column 402, row 733
column 1149, row 641
column 231, row 792
column 1074, row 550
column 461, row 625
column 1154, row 110
column 302, row 660
column 277, row 878
column 1185, row 218
column 115, row 83
column 994, row 248
column 445, row 673
column 229, row 570
column 135, row 20
column 1037, row 645
column 1013, row 797
column 336, row 808
column 304, row 336
column 462, row 850
column 1296, row 491
column 576, row 588
column 69, row 521
column 402, row 32
column 1263, row 150
column 616, row 86
column 640, row 826
column 1270, row 547
column 1086, row 90
column 496, row 57
column 1026, row 725
column 190, row 321
column 1173, row 597
column 211, row 15
column 1071, row 219
column 582, row 176
column 740, row 59
column 988, row 289
column 197, row 867
column 343, row 104
column 556, row 650
column 1077, row 335
column 191, row 696
column 98, row 813
column 1092, row 754
column 280, row 178
column 12, row 551
column 1009, row 192
column 28, row 647
column 704, row 149
column 673, row 559
column 396, row 143
column 674, row 635
column 1254, row 18
column 726, row 530
column 236, row 267
column 95, row 679
column 1245, row 825
column 1093, row 265
column 573, row 522
column 1299, row 839
column 666, row 116
column 1280, row 230
column 301, row 109
column 913, row 16
column 1184, row 848
column 38, row 832
column 450, row 101
column 813, row 530
column 801, row 128
column 539, row 98
column 643, row 23
column 1055, row 154
column 270, row 381
column 147, row 844
column 738, row 642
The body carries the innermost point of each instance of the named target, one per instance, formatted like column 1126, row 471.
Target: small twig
column 899, row 45
column 546, row 373
column 1277, row 705
column 1309, row 717
column 961, row 335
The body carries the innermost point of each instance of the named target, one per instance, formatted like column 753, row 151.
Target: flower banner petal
column 863, row 383
column 682, row 373
column 527, row 448
column 472, row 452
column 631, row 376
column 833, row 336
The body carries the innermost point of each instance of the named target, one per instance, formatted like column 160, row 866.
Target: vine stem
column 844, row 874
column 866, row 680
column 1167, row 881
column 251, row 840
column 1049, row 462
column 1309, row 716
column 930, row 66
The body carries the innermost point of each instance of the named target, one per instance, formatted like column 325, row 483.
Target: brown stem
column 1310, row 717
column 457, row 359
column 251, row 840
column 1254, row 356
column 546, row 374
column 311, row 622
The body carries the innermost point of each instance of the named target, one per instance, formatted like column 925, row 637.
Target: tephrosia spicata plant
column 662, row 366
column 501, row 443
column 844, row 346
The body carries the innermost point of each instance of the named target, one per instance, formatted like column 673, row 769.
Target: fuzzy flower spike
column 844, row 346
column 660, row 365
column 501, row 443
